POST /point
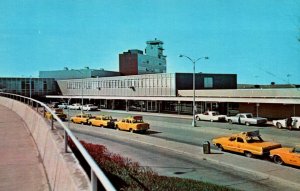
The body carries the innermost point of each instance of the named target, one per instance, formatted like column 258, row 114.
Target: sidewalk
column 20, row 164
column 172, row 115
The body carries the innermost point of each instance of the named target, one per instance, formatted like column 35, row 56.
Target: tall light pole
column 194, row 63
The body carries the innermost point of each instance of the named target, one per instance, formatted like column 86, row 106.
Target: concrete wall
column 62, row 169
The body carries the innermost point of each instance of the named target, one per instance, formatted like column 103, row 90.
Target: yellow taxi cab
column 58, row 112
column 82, row 118
column 102, row 121
column 286, row 155
column 132, row 124
column 247, row 143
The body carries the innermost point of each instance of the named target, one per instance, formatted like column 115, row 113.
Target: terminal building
column 30, row 87
column 172, row 93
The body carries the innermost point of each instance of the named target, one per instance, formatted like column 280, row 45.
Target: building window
column 45, row 85
column 208, row 82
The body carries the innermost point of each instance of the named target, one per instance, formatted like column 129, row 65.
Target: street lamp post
column 194, row 63
column 82, row 96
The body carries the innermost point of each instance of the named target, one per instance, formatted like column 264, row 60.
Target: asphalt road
column 181, row 130
column 169, row 163
column 178, row 129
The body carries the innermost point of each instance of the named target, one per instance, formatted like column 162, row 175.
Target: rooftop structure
column 134, row 62
column 77, row 73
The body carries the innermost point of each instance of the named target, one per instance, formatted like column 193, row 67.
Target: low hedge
column 128, row 175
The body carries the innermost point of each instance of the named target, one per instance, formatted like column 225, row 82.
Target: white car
column 247, row 119
column 63, row 106
column 89, row 107
column 281, row 123
column 75, row 106
column 210, row 116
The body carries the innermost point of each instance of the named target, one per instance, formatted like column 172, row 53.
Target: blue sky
column 256, row 39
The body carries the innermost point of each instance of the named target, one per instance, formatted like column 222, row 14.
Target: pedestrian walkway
column 20, row 164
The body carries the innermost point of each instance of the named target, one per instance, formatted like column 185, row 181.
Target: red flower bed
column 128, row 175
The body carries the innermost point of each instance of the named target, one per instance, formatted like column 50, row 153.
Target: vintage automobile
column 63, row 105
column 247, row 143
column 53, row 104
column 282, row 123
column 103, row 121
column 82, row 118
column 285, row 155
column 132, row 124
column 58, row 112
column 76, row 106
column 89, row 107
column 210, row 116
column 247, row 119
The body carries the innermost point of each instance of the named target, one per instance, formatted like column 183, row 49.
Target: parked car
column 132, row 124
column 59, row 112
column 286, row 155
column 53, row 104
column 103, row 121
column 75, row 106
column 89, row 107
column 82, row 118
column 282, row 123
column 210, row 116
column 247, row 119
column 63, row 105
column 248, row 143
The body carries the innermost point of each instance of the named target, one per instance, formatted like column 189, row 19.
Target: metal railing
column 96, row 172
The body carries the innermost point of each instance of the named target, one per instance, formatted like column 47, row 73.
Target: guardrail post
column 66, row 142
column 44, row 112
column 37, row 107
column 52, row 122
column 93, row 181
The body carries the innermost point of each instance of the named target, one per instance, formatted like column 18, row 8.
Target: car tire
column 117, row 128
column 248, row 154
column 220, row 147
column 277, row 160
column 211, row 120
column 278, row 125
column 229, row 121
column 247, row 123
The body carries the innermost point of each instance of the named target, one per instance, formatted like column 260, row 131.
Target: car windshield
column 87, row 116
column 249, row 116
column 254, row 139
column 296, row 150
column 137, row 121
column 215, row 113
column 107, row 118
